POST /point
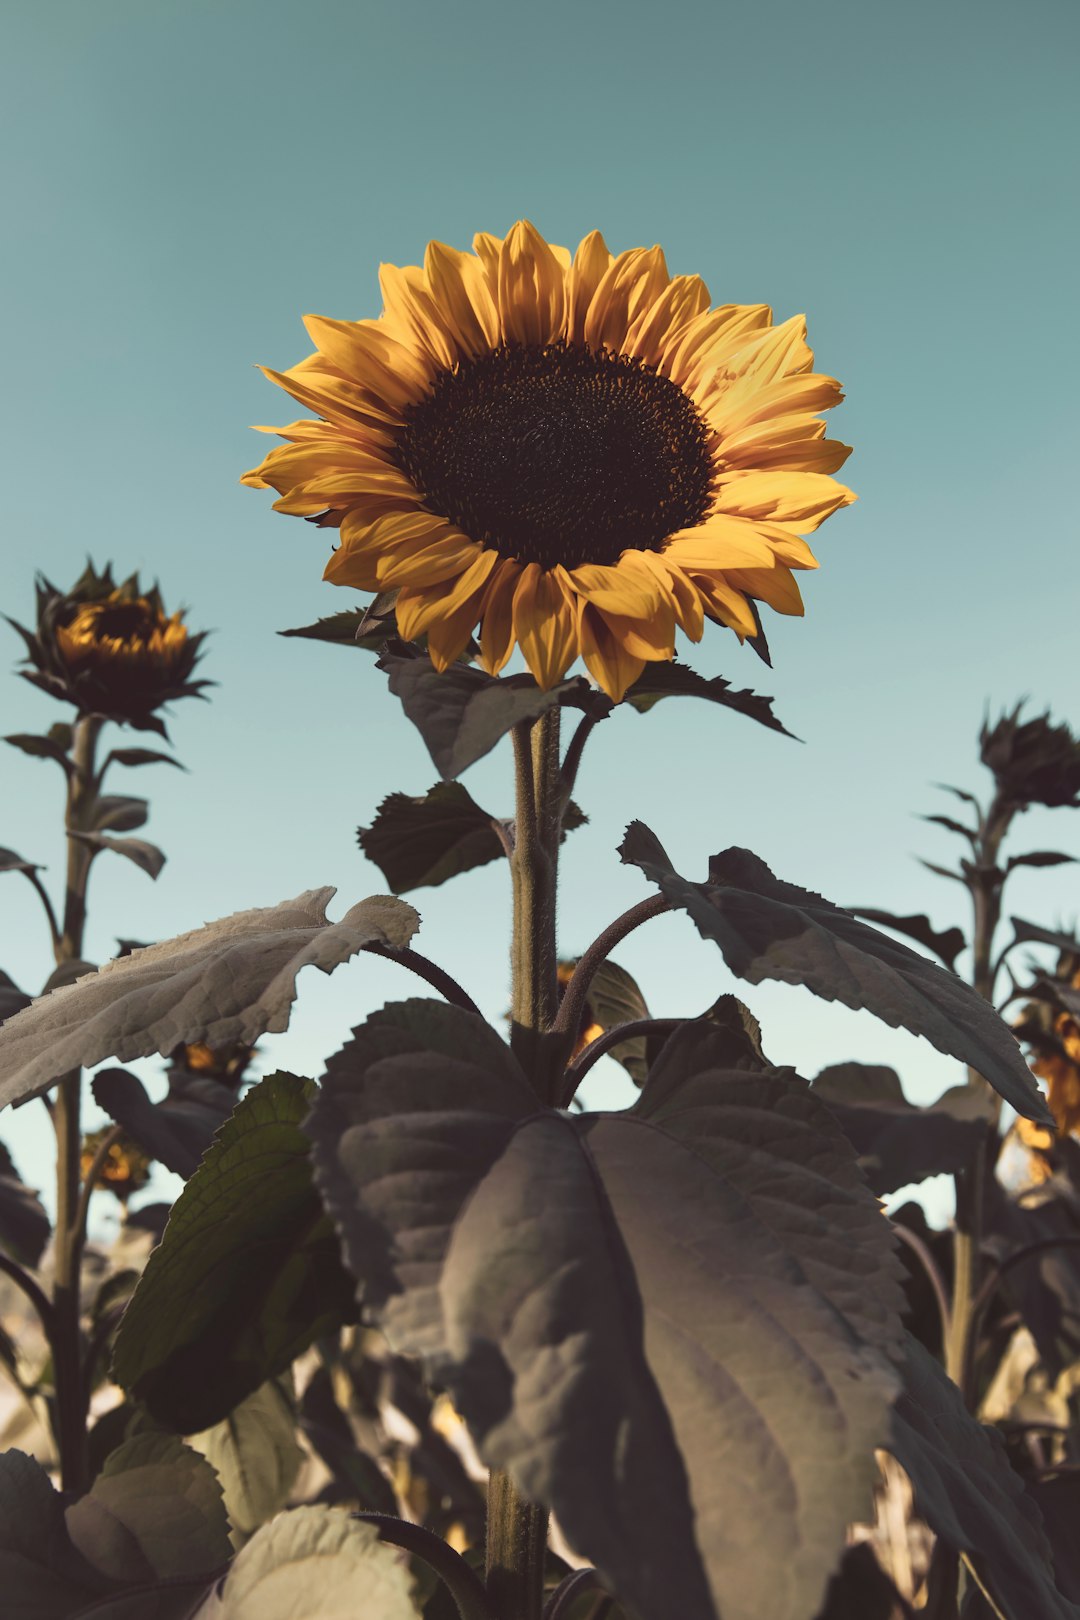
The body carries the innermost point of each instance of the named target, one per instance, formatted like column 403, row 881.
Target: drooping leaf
column 25, row 1228
column 179, row 1129
column 898, row 1143
column 616, row 1301
column 141, row 756
column 1039, row 857
column 146, row 856
column 42, row 1575
column 461, row 713
column 768, row 929
column 1025, row 933
column 1045, row 1286
column 254, row 1453
column 418, row 842
column 12, row 999
column 970, row 833
column 662, row 680
column 314, row 1555
column 10, row 862
column 155, row 1510
column 969, row 1494
column 113, row 813
column 232, row 980
column 614, row 998
column 41, row 748
column 247, row 1274
column 341, row 629
column 946, row 946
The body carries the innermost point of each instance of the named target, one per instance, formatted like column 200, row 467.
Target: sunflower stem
column 69, row 1420
column 516, row 1527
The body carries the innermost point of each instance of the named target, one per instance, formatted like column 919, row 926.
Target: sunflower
column 578, row 455
column 111, row 649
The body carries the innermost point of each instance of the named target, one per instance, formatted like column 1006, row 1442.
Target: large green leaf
column 422, row 841
column 768, row 929
column 42, row 1575
column 247, row 1274
column 155, row 1510
column 314, row 1561
column 231, row 980
column 461, row 713
column 661, row 680
column 969, row 1494
column 176, row 1131
column 946, row 945
column 25, row 1227
column 672, row 1325
column 898, row 1143
column 255, row 1455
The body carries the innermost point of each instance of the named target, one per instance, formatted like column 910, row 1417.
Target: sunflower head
column 225, row 1064
column 1034, row 761
column 126, row 1168
column 111, row 650
column 577, row 454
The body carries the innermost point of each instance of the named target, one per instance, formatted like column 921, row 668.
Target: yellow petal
column 417, row 610
column 400, row 528
column 331, row 397
column 417, row 565
column 497, row 616
column 460, row 288
column 386, row 368
column 631, row 591
column 689, row 350
column 722, row 541
column 684, row 298
column 652, row 639
column 802, row 499
column 608, row 662
column 413, row 317
column 591, row 263
column 776, row 586
column 684, row 596
column 726, row 604
column 632, row 283
column 532, row 288
column 543, row 621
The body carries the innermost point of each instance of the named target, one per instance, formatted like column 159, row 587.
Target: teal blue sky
column 185, row 180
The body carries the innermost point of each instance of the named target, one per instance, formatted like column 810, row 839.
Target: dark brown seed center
column 559, row 454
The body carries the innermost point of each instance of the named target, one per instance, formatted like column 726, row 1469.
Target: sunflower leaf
column 10, row 862
column 461, row 713
column 614, row 998
column 341, row 630
column 247, row 1275
column 25, row 1227
column 1039, row 857
column 314, row 1550
column 969, row 1494
column 945, row 946
column 255, row 1454
column 417, row 842
column 661, row 680
column 176, row 1131
column 768, row 929
column 232, row 980
column 141, row 756
column 1025, row 933
column 147, row 857
column 154, row 1511
column 615, row 1300
column 898, row 1143
column 43, row 1575
column 41, row 748
column 115, row 814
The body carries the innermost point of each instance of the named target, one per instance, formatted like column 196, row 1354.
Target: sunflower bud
column 1034, row 762
column 110, row 649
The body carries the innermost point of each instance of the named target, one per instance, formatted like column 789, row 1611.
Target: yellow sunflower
column 578, row 455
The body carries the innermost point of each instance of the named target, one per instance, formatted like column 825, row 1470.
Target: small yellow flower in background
column 111, row 650
column 225, row 1064
column 576, row 454
column 126, row 1167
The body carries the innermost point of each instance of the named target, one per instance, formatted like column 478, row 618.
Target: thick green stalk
column 986, row 887
column 70, row 1419
column 517, row 1528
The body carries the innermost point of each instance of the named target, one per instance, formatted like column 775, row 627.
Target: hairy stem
column 516, row 1527
column 69, row 1419
column 572, row 1008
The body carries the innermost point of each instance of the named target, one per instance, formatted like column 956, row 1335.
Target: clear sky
column 185, row 179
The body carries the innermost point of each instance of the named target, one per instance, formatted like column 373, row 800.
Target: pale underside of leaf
column 231, row 980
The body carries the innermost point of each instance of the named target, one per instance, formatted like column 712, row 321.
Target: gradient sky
column 186, row 179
